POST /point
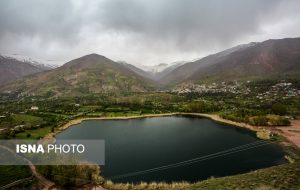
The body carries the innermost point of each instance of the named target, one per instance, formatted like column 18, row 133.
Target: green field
column 34, row 133
column 26, row 119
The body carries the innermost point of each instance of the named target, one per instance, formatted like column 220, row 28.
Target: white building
column 34, row 108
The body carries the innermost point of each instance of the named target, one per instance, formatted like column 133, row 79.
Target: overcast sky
column 144, row 32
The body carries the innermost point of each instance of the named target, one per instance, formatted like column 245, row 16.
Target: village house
column 34, row 108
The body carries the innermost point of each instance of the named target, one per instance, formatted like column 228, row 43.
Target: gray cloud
column 50, row 20
column 141, row 31
column 190, row 22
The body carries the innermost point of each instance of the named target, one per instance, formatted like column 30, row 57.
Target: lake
column 175, row 148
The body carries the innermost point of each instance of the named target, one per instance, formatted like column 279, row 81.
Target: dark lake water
column 142, row 144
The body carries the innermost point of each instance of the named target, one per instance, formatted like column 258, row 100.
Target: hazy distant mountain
column 270, row 57
column 44, row 63
column 172, row 66
column 88, row 74
column 160, row 67
column 137, row 70
column 155, row 72
column 155, row 68
column 12, row 69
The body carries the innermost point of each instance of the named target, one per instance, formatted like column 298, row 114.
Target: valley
column 256, row 84
column 149, row 95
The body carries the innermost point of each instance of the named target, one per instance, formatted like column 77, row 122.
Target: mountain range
column 263, row 59
column 97, row 74
column 88, row 74
column 12, row 69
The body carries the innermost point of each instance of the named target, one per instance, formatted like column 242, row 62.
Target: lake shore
column 217, row 118
column 210, row 116
column 79, row 120
column 291, row 133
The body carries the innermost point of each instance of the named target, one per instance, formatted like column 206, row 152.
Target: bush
column 258, row 120
column 270, row 120
column 233, row 117
column 279, row 121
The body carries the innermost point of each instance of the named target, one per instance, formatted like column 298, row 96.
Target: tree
column 279, row 109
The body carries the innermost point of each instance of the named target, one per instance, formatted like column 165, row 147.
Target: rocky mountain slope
column 271, row 57
column 88, row 74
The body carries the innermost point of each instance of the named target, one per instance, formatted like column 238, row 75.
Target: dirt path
column 42, row 180
column 292, row 133
column 47, row 184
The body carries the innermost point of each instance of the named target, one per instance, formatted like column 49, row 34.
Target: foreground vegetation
column 285, row 177
column 72, row 175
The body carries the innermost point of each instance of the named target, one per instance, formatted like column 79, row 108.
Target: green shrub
column 279, row 121
column 258, row 120
column 234, row 117
column 269, row 120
